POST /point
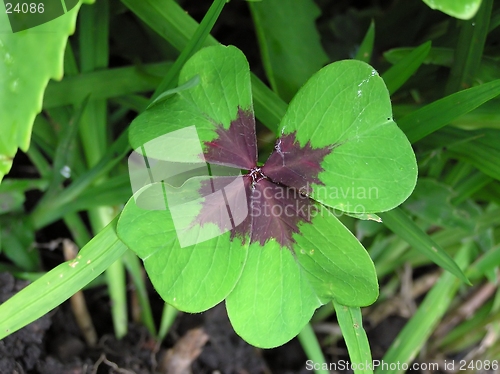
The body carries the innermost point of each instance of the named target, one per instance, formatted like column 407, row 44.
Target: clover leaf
column 210, row 223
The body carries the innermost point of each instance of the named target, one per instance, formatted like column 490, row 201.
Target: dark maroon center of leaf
column 295, row 166
column 235, row 147
column 268, row 202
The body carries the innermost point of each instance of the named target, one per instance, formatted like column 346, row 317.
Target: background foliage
column 443, row 76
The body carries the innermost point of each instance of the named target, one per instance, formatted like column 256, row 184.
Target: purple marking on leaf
column 276, row 212
column 236, row 146
column 267, row 210
column 295, row 166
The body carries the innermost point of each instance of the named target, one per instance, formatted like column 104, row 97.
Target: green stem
column 167, row 319
column 311, row 347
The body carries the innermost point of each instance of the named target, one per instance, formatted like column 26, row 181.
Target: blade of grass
column 351, row 324
column 469, row 186
column 480, row 148
column 418, row 330
column 62, row 163
column 438, row 114
column 469, row 50
column 396, row 254
column 51, row 210
column 311, row 346
column 167, row 319
column 136, row 272
column 269, row 108
column 399, row 223
column 61, row 282
column 104, row 84
column 366, row 48
column 195, row 43
column 459, row 172
column 40, row 162
column 399, row 73
column 94, row 52
column 287, row 72
column 168, row 19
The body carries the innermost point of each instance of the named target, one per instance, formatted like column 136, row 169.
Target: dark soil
column 53, row 344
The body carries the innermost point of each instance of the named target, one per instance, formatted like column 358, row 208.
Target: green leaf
column 194, row 106
column 273, row 296
column 347, row 105
column 463, row 9
column 62, row 282
column 398, row 222
column 398, row 74
column 192, row 278
column 278, row 291
column 291, row 51
column 336, row 264
column 351, row 324
column 29, row 59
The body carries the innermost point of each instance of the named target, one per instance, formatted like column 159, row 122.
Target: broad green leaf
column 351, row 323
column 371, row 167
column 335, row 262
column 278, row 291
column 28, row 60
column 398, row 222
column 192, row 278
column 273, row 299
column 62, row 282
column 463, row 9
column 291, row 51
column 224, row 78
column 398, row 74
